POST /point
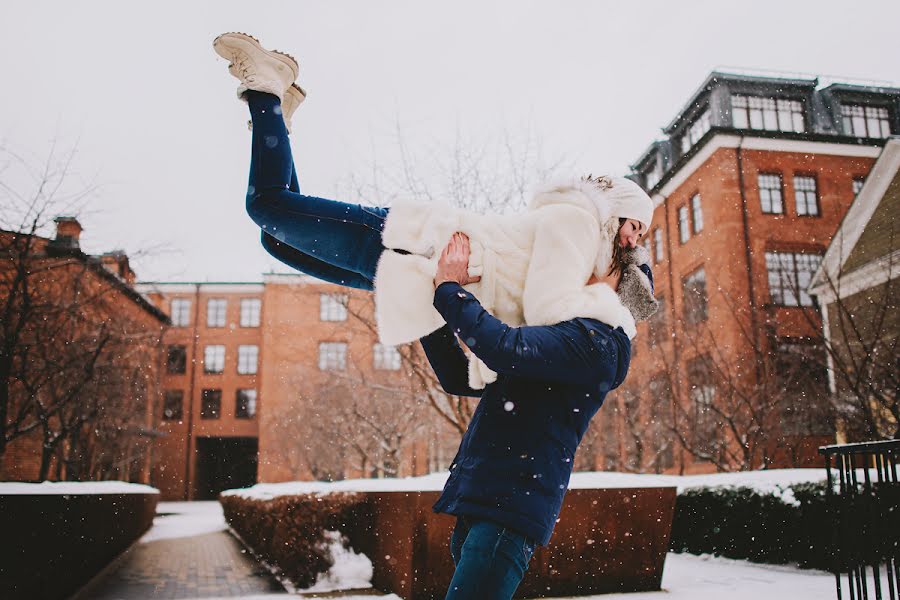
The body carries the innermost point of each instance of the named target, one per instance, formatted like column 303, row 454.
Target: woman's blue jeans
column 490, row 560
column 333, row 241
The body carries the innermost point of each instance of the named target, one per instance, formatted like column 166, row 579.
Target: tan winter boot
column 257, row 69
column 293, row 96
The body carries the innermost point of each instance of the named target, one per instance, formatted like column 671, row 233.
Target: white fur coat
column 533, row 266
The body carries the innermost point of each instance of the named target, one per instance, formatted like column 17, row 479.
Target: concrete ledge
column 54, row 544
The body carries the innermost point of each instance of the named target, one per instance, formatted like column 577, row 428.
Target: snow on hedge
column 72, row 488
column 768, row 481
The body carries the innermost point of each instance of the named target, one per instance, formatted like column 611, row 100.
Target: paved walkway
column 186, row 554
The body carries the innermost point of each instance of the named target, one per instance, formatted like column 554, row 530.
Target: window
column 653, row 176
column 695, row 299
column 657, row 323
column 211, row 404
column 662, row 444
column 215, row 312
column 858, row 185
column 214, row 359
column 789, row 276
column 176, row 360
column 805, row 195
column 802, row 380
column 684, row 233
column 181, row 312
column 386, row 358
column 773, row 114
column 333, row 307
column 866, row 121
column 695, row 131
column 245, row 404
column 658, row 244
column 250, row 312
column 707, row 426
column 248, row 359
column 332, row 356
column 173, row 405
column 770, row 193
column 697, row 213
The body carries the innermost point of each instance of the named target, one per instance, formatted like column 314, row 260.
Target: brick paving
column 197, row 562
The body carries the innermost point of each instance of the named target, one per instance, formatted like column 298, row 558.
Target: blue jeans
column 490, row 560
column 333, row 241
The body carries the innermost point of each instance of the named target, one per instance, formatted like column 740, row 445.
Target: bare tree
column 739, row 404
column 63, row 331
column 862, row 348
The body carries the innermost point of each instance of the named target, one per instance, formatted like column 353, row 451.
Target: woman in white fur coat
column 558, row 260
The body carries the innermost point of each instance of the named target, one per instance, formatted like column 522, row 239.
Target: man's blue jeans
column 490, row 560
column 333, row 241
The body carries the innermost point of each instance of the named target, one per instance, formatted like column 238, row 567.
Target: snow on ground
column 69, row 488
column 689, row 577
column 773, row 480
column 351, row 570
column 185, row 519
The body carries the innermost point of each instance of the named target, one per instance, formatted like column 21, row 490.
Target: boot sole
column 221, row 48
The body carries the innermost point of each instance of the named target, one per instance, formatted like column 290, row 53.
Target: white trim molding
column 750, row 142
column 873, row 273
column 851, row 229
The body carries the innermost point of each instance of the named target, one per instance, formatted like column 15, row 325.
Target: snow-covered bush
column 793, row 525
column 290, row 533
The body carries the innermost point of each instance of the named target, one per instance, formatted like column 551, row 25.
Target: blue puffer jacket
column 515, row 459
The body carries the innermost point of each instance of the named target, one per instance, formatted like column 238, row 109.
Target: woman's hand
column 453, row 265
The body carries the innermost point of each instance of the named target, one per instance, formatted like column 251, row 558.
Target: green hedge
column 743, row 523
column 288, row 532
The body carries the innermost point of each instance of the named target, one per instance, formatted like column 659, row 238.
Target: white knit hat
column 625, row 199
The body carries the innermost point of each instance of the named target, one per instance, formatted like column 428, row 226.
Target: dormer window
column 773, row 114
column 695, row 131
column 653, row 176
column 866, row 121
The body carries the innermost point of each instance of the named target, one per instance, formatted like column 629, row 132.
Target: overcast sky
column 150, row 108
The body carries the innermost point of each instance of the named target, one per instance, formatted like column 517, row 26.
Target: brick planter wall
column 54, row 544
column 607, row 540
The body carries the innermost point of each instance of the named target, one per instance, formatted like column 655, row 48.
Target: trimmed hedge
column 743, row 523
column 288, row 532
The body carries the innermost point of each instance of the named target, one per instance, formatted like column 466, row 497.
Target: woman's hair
column 618, row 254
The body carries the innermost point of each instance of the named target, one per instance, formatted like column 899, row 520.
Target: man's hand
column 453, row 265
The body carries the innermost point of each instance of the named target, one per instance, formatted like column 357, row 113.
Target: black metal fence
column 864, row 518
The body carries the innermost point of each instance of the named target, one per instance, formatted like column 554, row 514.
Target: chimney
column 117, row 262
column 68, row 230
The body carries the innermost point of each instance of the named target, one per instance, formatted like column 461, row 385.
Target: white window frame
column 332, row 356
column 216, row 311
column 767, row 113
column 789, row 275
column 770, row 197
column 696, row 213
column 385, row 358
column 250, row 310
column 658, row 245
column 248, row 359
column 332, row 307
column 684, row 228
column 214, row 359
column 806, row 196
column 181, row 312
column 866, row 121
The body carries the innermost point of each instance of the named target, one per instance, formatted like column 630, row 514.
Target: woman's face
column 630, row 232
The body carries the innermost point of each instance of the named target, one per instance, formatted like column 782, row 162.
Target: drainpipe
column 676, row 351
column 748, row 257
column 190, row 403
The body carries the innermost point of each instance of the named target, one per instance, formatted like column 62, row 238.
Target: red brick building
column 80, row 361
column 750, row 184
column 281, row 380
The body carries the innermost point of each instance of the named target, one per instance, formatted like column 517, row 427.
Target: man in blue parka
column 512, row 469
